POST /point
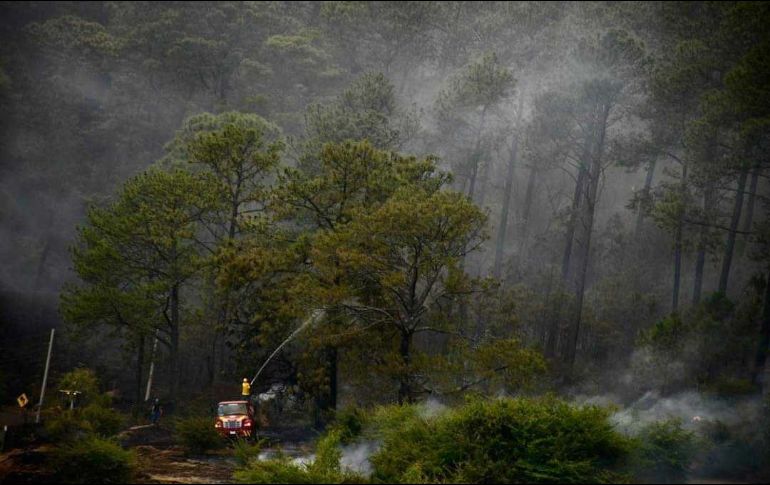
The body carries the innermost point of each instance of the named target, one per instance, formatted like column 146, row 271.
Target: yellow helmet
column 245, row 380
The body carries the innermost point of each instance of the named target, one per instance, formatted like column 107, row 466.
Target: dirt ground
column 170, row 465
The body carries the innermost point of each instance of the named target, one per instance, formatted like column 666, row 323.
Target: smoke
column 297, row 456
column 692, row 408
column 355, row 457
column 695, row 410
column 431, row 408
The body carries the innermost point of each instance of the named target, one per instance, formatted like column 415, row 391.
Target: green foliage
column 82, row 380
column 698, row 346
column 245, row 452
column 76, row 34
column 367, row 110
column 350, row 423
column 503, row 440
column 735, row 449
column 508, row 362
column 104, row 421
column 134, row 254
column 94, row 460
column 197, row 435
column 484, row 82
column 402, row 256
column 66, row 425
column 283, row 470
column 664, row 452
column 92, row 413
column 95, row 419
column 325, row 468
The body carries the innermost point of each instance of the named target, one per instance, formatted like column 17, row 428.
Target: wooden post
column 152, row 368
column 45, row 377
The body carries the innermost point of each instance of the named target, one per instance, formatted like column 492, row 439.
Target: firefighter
column 156, row 412
column 246, row 389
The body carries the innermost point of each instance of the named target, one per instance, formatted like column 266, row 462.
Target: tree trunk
column 736, row 218
column 700, row 262
column 588, row 210
column 175, row 361
column 404, row 388
column 678, row 243
column 326, row 403
column 139, row 370
column 752, row 198
column 477, row 154
column 764, row 338
column 333, row 371
column 551, row 343
column 677, row 268
column 527, row 209
column 570, row 235
column 504, row 210
column 645, row 198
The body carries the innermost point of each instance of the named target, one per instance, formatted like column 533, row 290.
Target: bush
column 504, row 440
column 499, row 441
column 73, row 424
column 83, row 380
column 94, row 460
column 664, row 452
column 283, row 470
column 65, row 426
column 325, row 468
column 735, row 450
column 245, row 452
column 197, row 435
column 350, row 424
column 103, row 421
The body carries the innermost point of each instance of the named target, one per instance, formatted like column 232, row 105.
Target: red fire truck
column 236, row 419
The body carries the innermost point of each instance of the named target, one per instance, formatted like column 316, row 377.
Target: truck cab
column 236, row 419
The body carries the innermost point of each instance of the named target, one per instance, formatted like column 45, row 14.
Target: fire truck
column 236, row 419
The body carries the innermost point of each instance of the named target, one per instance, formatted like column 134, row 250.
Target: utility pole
column 152, row 368
column 71, row 395
column 45, row 377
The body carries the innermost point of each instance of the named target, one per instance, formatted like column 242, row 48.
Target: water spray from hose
column 314, row 317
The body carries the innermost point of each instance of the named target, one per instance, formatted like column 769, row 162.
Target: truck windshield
column 232, row 408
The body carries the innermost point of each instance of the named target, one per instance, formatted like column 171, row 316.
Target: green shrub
column 737, row 450
column 350, row 424
column 504, row 440
column 664, row 452
column 325, row 468
column 66, row 425
column 94, row 460
column 73, row 424
column 83, row 380
column 197, row 435
column 282, row 470
column 245, row 452
column 103, row 421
